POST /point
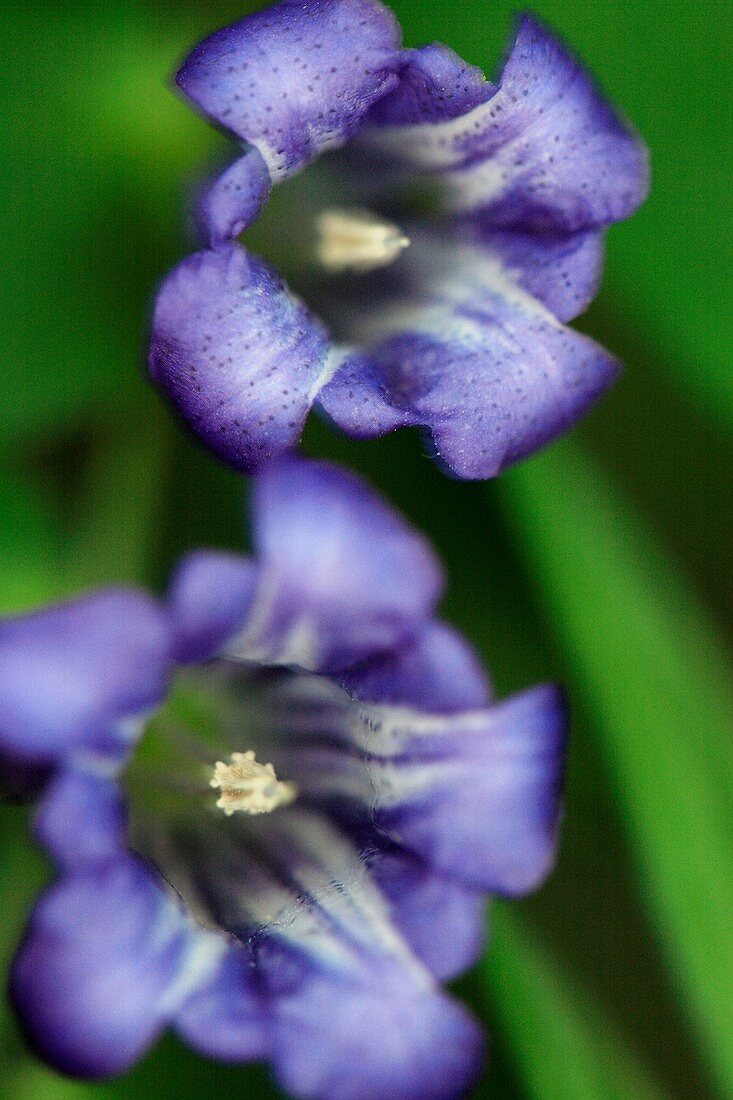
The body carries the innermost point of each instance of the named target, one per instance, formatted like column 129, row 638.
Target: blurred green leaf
column 116, row 529
column 563, row 1046
column 658, row 681
column 96, row 158
column 30, row 545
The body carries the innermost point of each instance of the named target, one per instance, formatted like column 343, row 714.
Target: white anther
column 248, row 787
column 351, row 239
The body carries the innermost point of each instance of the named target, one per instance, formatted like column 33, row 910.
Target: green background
column 604, row 562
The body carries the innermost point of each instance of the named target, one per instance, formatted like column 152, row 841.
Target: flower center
column 336, row 233
column 355, row 239
column 186, row 749
column 248, row 787
column 253, row 856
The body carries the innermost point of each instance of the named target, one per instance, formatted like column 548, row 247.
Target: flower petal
column 368, row 1032
column 476, row 795
column 500, row 400
column 544, row 152
column 295, row 78
column 69, row 674
column 355, row 400
column 560, row 270
column 473, row 357
column 210, row 595
column 238, row 356
column 434, row 84
column 436, row 671
column 225, row 1018
column 81, row 821
column 352, row 1013
column 93, row 977
column 486, row 807
column 234, row 199
column 342, row 576
column 442, row 920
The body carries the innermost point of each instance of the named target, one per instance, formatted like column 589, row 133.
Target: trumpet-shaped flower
column 276, row 802
column 446, row 231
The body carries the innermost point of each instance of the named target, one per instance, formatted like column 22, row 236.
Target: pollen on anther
column 249, row 787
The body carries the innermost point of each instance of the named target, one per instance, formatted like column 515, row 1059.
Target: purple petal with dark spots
column 544, row 152
column 234, row 199
column 238, row 356
column 297, row 77
column 434, row 84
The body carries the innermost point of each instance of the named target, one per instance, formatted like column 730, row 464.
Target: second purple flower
column 434, row 254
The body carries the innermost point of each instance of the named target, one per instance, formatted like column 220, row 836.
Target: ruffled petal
column 226, row 1017
column 210, row 596
column 296, row 78
column 69, row 674
column 477, row 360
column 496, row 402
column 234, row 199
column 436, row 671
column 94, row 977
column 240, row 358
column 342, row 577
column 544, row 152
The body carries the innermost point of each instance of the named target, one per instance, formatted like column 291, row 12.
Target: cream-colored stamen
column 351, row 239
column 248, row 787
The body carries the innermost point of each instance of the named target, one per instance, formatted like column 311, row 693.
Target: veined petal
column 240, row 358
column 296, row 78
column 210, row 596
column 476, row 795
column 352, row 1013
column 334, row 562
column 488, row 812
column 544, row 152
column 69, row 674
column 477, row 360
column 97, row 975
column 234, row 199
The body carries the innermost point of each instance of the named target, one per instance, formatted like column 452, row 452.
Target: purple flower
column 276, row 803
column 448, row 231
